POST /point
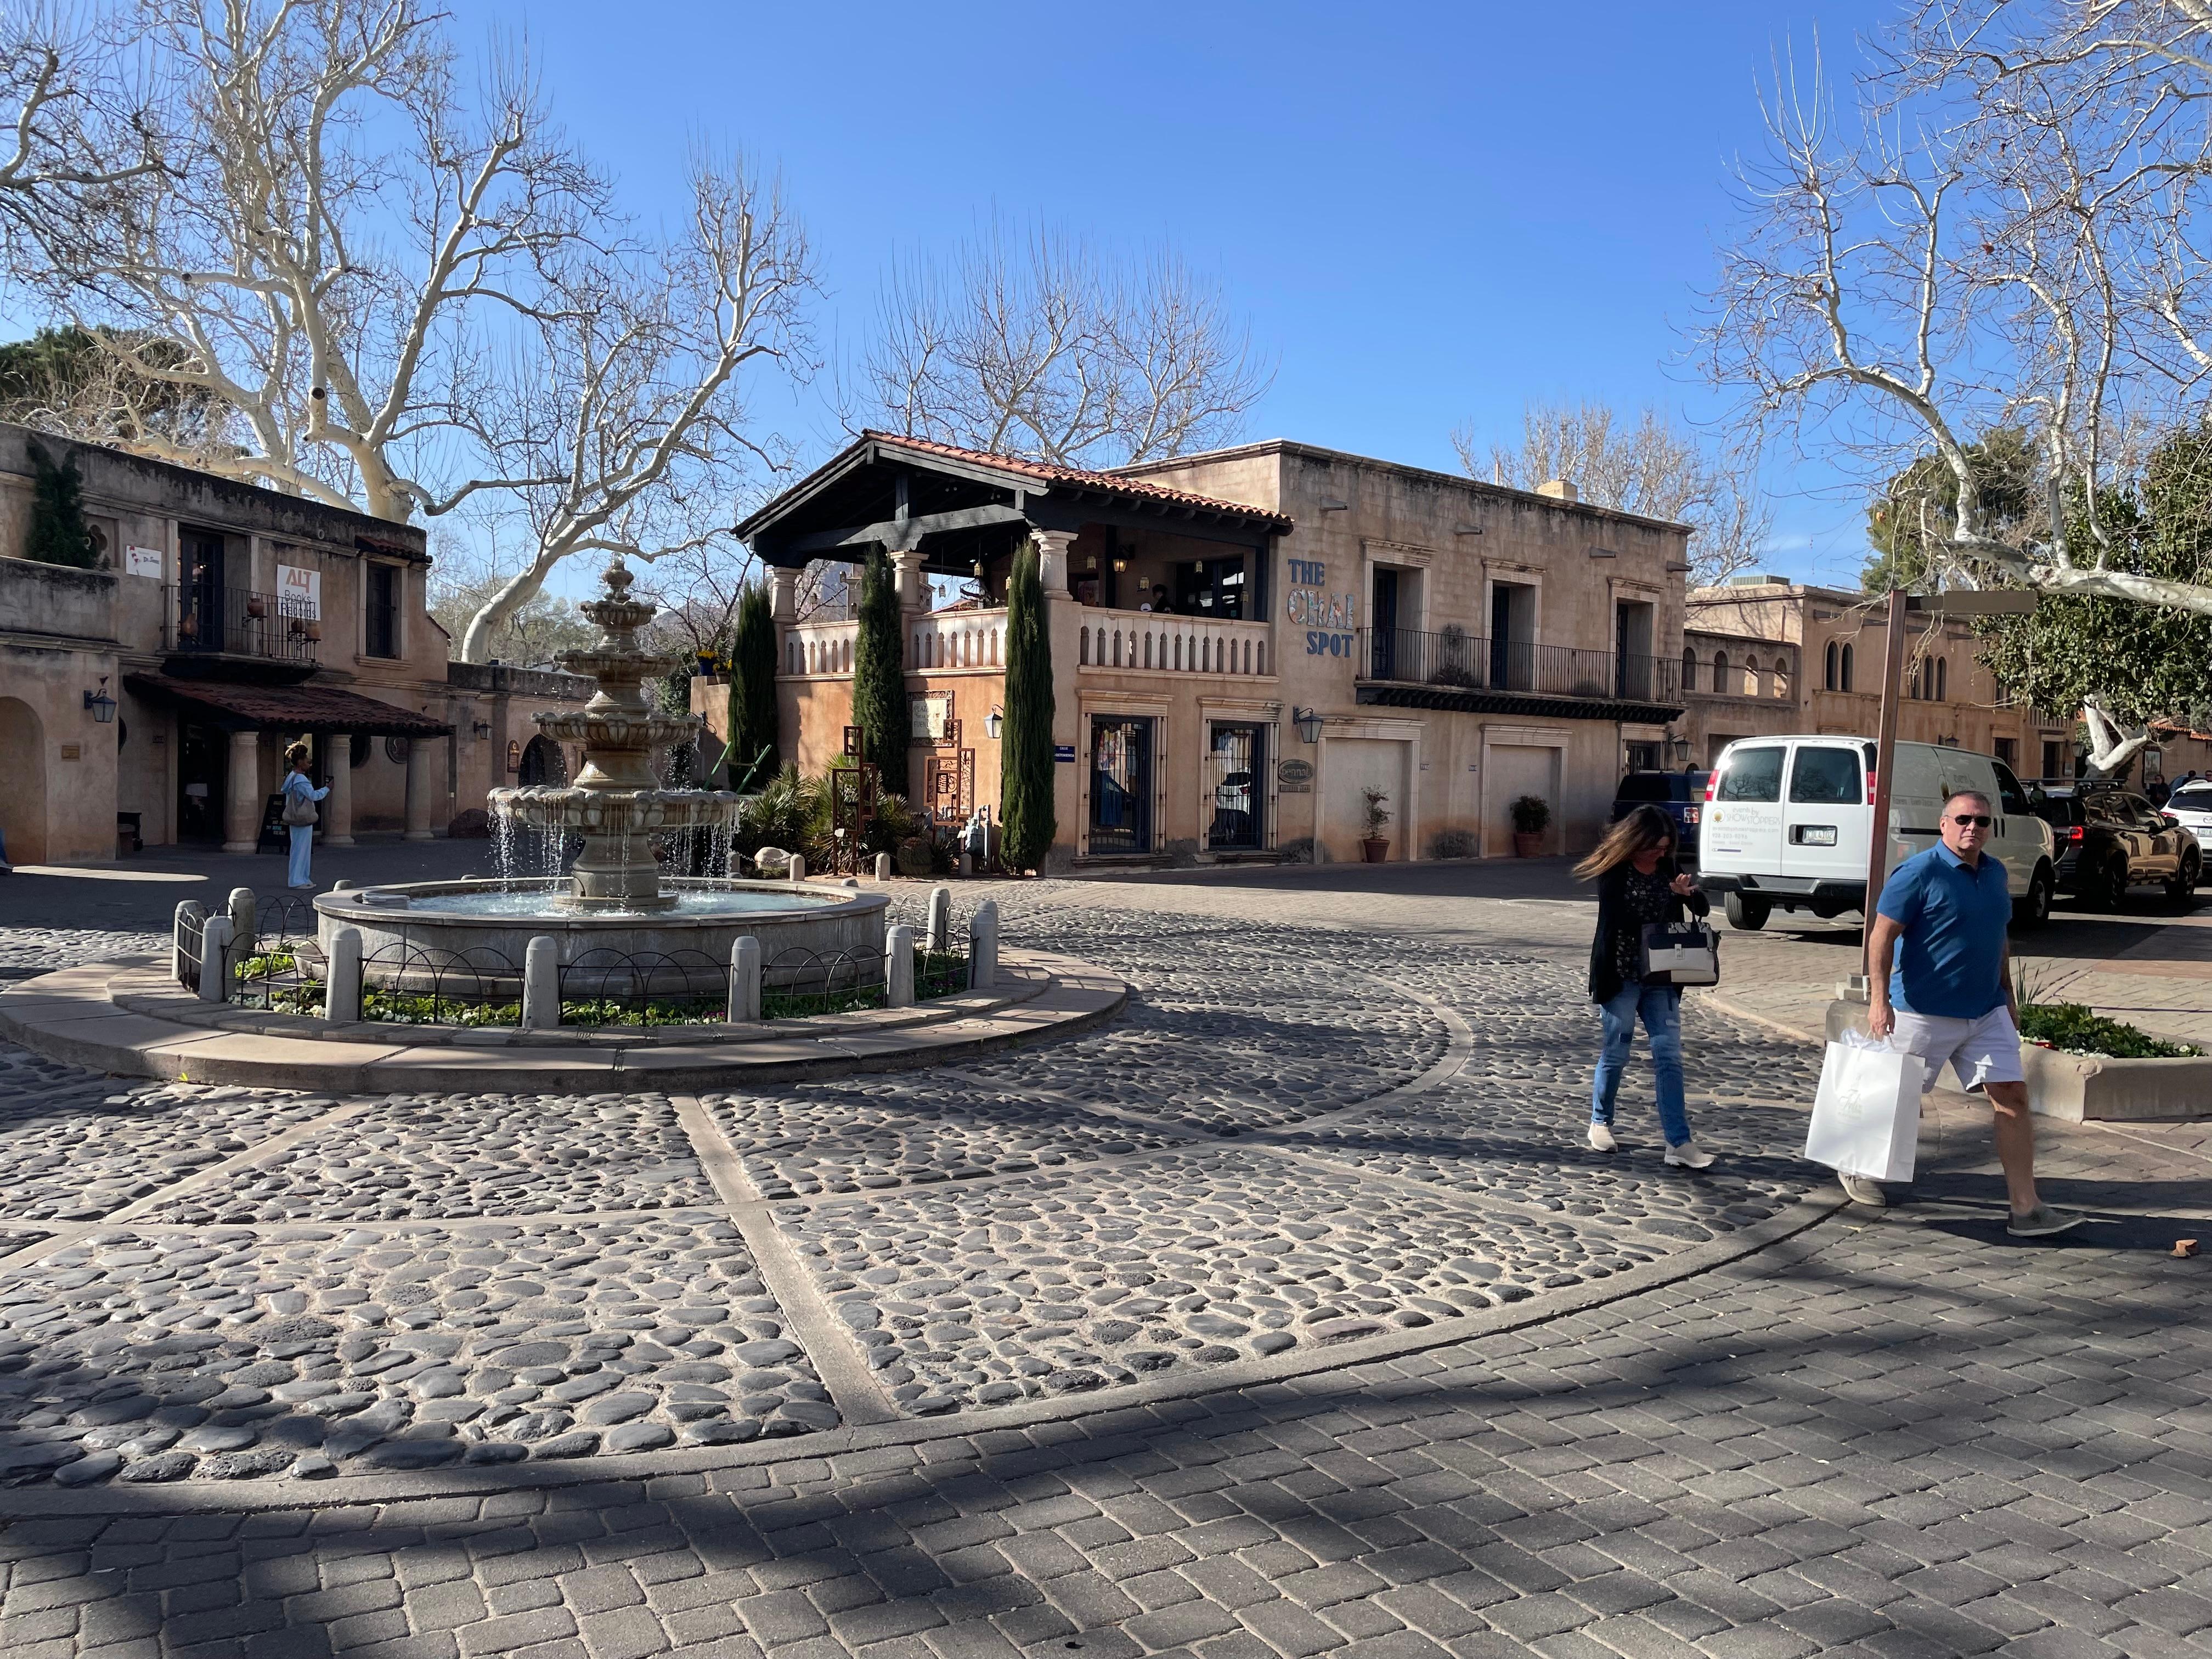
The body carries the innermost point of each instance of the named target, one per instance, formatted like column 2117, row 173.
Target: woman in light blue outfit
column 300, row 796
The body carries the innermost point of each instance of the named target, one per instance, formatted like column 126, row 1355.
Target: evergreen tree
column 753, row 725
column 59, row 533
column 879, row 706
column 680, row 772
column 2003, row 464
column 1025, row 755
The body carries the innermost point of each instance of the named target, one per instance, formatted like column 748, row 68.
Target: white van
column 1786, row 823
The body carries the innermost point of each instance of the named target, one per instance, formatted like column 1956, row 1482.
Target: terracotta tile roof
column 1080, row 478
column 294, row 708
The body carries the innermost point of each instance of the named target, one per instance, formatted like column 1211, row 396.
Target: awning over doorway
column 288, row 708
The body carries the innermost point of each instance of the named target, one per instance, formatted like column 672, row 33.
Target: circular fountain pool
column 487, row 927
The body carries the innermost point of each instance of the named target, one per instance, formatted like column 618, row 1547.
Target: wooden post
column 1893, row 664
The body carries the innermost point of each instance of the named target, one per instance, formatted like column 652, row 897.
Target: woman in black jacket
column 1638, row 883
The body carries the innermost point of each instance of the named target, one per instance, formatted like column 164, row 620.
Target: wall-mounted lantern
column 1308, row 721
column 102, row 705
column 993, row 723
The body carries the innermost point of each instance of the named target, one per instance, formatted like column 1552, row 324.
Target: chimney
column 1558, row 489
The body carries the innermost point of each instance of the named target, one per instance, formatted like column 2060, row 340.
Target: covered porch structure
column 1145, row 586
column 333, row 717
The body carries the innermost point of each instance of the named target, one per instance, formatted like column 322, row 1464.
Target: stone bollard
column 964, row 865
column 983, row 947
column 217, row 960
column 244, row 937
column 344, row 886
column 745, row 982
column 798, row 867
column 541, row 984
column 898, row 967
column 882, row 867
column 940, row 936
column 191, row 914
column 341, row 991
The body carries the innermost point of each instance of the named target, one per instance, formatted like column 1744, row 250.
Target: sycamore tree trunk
column 1027, row 826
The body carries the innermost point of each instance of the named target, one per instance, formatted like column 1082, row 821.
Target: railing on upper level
column 958, row 639
column 1455, row 657
column 237, row 622
column 820, row 647
column 1147, row 642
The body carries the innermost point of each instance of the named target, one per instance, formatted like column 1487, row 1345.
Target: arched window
column 1846, row 685
column 1942, row 679
column 1689, row 669
column 1781, row 677
column 1720, row 672
column 1918, row 688
column 1828, row 669
column 1752, row 683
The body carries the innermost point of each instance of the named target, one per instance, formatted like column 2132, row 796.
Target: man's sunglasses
column 1962, row 819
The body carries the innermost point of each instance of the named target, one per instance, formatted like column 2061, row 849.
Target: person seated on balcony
column 1158, row 603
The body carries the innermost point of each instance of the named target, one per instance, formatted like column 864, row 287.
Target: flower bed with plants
column 2073, row 1029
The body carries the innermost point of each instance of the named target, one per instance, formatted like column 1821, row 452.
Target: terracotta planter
column 1526, row 846
column 1375, row 852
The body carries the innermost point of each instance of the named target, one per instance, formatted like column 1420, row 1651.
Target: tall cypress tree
column 879, row 676
column 753, row 726
column 1025, row 777
column 59, row 533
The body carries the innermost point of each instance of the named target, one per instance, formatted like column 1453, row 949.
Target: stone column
column 783, row 594
column 421, row 799
column 338, row 806
column 242, row 795
column 1052, row 563
column 913, row 585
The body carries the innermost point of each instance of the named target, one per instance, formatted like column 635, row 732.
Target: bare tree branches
column 1034, row 344
column 2007, row 230
column 1650, row 466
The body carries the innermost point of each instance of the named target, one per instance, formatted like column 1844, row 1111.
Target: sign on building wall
column 1294, row 777
column 299, row 593
column 1329, row 618
column 929, row 716
column 143, row 561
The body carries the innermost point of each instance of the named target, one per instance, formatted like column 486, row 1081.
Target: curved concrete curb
column 117, row 1017
column 485, row 1481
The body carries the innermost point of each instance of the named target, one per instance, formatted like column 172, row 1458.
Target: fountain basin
column 481, row 930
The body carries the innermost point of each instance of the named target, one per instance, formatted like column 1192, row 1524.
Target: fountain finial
column 619, row 578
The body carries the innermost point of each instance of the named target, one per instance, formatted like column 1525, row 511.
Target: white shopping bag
column 1866, row 1119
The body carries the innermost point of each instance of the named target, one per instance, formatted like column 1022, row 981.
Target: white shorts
column 1978, row 1051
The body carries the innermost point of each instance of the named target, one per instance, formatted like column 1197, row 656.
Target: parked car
column 2191, row 803
column 1788, row 822
column 2109, row 839
column 1680, row 795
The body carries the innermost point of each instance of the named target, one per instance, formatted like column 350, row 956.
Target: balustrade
column 1143, row 642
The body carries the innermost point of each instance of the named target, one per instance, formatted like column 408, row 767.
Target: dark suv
column 2109, row 840
column 1679, row 795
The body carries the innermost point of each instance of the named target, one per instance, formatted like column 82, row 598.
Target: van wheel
column 2034, row 909
column 1748, row 914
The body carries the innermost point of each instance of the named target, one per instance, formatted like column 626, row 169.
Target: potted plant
column 1374, row 845
column 255, row 606
column 1532, row 816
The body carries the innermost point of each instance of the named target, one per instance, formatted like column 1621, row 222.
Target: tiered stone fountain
column 613, row 903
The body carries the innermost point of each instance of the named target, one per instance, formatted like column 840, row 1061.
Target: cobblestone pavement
column 983, row 1305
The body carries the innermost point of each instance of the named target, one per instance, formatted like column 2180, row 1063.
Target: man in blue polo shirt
column 1946, row 997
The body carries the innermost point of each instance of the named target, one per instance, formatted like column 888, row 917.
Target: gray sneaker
column 1860, row 1189
column 2043, row 1221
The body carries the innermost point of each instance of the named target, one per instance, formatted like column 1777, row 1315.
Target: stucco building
column 150, row 701
column 1246, row 641
column 1764, row 655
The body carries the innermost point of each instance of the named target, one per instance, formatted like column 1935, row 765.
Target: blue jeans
column 1662, row 1008
column 303, row 842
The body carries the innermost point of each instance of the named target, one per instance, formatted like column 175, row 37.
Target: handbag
column 299, row 810
column 1679, row 953
column 1865, row 1118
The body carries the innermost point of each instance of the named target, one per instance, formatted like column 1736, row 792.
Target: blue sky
column 1430, row 213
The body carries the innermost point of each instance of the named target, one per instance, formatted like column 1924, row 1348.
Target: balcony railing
column 958, row 639
column 1468, row 661
column 820, row 647
column 1145, row 641
column 237, row 623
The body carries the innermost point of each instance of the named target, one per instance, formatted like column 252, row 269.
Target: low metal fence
column 409, row 984
column 799, row 984
column 643, row 987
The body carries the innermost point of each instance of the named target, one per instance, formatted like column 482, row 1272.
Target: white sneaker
column 1602, row 1138
column 1689, row 1155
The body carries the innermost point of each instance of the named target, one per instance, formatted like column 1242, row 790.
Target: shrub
column 1532, row 815
column 1374, row 815
column 59, row 533
column 879, row 706
column 753, row 732
column 1452, row 844
column 2074, row 1030
column 1026, row 822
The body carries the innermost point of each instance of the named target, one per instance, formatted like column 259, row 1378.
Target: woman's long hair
column 1643, row 828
